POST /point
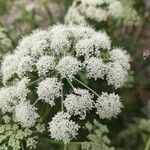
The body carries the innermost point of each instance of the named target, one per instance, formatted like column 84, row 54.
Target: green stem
column 22, row 147
column 65, row 146
column 35, row 102
column 34, row 82
column 87, row 87
column 62, row 97
column 147, row 147
column 62, row 143
column 4, row 142
column 70, row 83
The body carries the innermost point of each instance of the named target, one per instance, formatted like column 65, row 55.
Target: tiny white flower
column 60, row 39
column 45, row 64
column 26, row 114
column 68, row 67
column 11, row 96
column 60, row 44
column 34, row 44
column 121, row 57
column 79, row 103
column 92, row 46
column 62, row 128
column 9, row 67
column 6, row 100
column 20, row 89
column 48, row 90
column 108, row 105
column 115, row 74
column 95, row 68
column 25, row 65
column 101, row 41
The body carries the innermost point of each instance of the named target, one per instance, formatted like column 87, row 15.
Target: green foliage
column 130, row 16
column 5, row 5
column 98, row 140
column 132, row 133
column 144, row 127
column 12, row 136
column 5, row 41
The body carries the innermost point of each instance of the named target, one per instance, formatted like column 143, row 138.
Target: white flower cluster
column 45, row 64
column 97, row 10
column 10, row 96
column 91, row 46
column 79, row 103
column 38, row 68
column 48, row 90
column 13, row 99
column 115, row 74
column 45, row 56
column 95, row 68
column 108, row 105
column 9, row 66
column 117, row 70
column 83, row 11
column 26, row 114
column 68, row 67
column 121, row 57
column 62, row 128
column 25, row 65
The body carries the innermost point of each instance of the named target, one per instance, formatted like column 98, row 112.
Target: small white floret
column 62, row 128
column 26, row 114
column 79, row 103
column 48, row 90
column 108, row 105
column 68, row 67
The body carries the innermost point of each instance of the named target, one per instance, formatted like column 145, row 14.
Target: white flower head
column 80, row 32
column 25, row 114
column 20, row 89
column 60, row 39
column 95, row 68
column 115, row 9
column 45, row 64
column 10, row 96
column 34, row 44
column 9, row 67
column 92, row 46
column 98, row 10
column 102, row 40
column 73, row 16
column 68, row 67
column 48, row 90
column 85, row 48
column 62, row 128
column 65, row 51
column 115, row 74
column 25, row 65
column 121, row 57
column 79, row 103
column 108, row 105
column 6, row 100
column 93, row 13
column 60, row 44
